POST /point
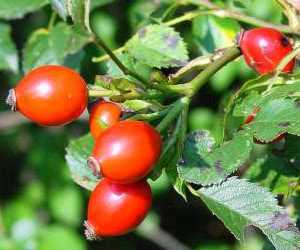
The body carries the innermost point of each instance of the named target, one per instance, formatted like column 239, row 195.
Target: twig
column 203, row 77
column 224, row 13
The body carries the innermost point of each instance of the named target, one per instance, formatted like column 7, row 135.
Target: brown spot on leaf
column 218, row 167
column 171, row 40
column 142, row 32
column 282, row 222
column 284, row 124
column 297, row 104
column 199, row 134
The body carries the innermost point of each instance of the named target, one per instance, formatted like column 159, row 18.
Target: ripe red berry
column 116, row 209
column 50, row 95
column 264, row 48
column 278, row 138
column 126, row 152
column 103, row 115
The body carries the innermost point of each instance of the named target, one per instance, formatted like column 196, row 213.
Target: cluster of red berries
column 124, row 153
column 263, row 50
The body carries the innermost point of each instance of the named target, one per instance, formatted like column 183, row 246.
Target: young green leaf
column 202, row 163
column 114, row 71
column 214, row 33
column 18, row 8
column 247, row 105
column 158, row 46
column 239, row 204
column 8, row 51
column 274, row 172
column 44, row 47
column 77, row 153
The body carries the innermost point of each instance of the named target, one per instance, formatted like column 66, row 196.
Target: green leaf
column 274, row 172
column 66, row 205
column 44, row 48
column 239, row 203
column 77, row 153
column 203, row 163
column 8, row 51
column 18, row 8
column 158, row 46
column 213, row 32
column 247, row 105
column 114, row 71
column 141, row 105
column 76, row 9
column 275, row 117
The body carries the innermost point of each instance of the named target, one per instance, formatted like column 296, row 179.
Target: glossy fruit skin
column 107, row 112
column 51, row 95
column 127, row 151
column 278, row 138
column 264, row 48
column 116, row 209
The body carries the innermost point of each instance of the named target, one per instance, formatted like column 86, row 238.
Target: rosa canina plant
column 139, row 113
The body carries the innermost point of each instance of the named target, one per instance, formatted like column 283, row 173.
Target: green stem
column 173, row 113
column 193, row 191
column 198, row 63
column 223, row 13
column 282, row 65
column 208, row 72
column 186, row 17
column 52, row 20
column 149, row 117
column 287, row 59
column 103, row 58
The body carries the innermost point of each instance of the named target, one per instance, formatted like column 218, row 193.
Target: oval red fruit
column 116, row 209
column 50, row 95
column 126, row 152
column 264, row 48
column 103, row 115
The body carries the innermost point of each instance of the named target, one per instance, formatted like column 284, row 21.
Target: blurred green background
column 42, row 208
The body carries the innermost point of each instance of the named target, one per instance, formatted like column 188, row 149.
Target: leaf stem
column 282, row 65
column 148, row 117
column 173, row 113
column 231, row 54
column 52, row 20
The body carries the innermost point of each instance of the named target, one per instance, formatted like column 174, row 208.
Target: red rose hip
column 50, row 95
column 264, row 48
column 126, row 152
column 103, row 115
column 116, row 209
